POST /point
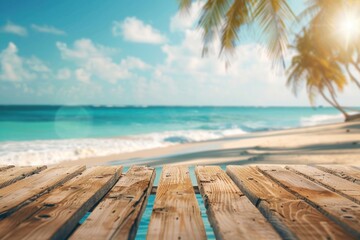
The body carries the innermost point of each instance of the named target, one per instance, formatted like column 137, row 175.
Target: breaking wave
column 54, row 151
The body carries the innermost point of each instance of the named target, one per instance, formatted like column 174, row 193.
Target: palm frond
column 238, row 15
column 312, row 9
column 273, row 17
column 184, row 5
column 211, row 19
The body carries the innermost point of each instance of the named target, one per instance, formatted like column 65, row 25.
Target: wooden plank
column 117, row 216
column 16, row 195
column 176, row 214
column 55, row 215
column 154, row 189
column 4, row 167
column 292, row 217
column 230, row 212
column 347, row 172
column 339, row 209
column 343, row 187
column 17, row 173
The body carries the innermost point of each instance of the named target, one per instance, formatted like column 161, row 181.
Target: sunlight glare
column 349, row 26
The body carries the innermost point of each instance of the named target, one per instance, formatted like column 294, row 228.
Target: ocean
column 33, row 135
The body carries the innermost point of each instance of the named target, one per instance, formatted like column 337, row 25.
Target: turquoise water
column 33, row 135
column 145, row 220
column 19, row 123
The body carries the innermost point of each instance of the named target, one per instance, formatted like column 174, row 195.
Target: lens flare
column 348, row 26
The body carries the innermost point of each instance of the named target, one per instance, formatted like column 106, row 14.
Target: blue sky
column 127, row 52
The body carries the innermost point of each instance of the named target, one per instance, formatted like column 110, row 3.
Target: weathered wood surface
column 230, row 212
column 292, row 217
column 343, row 187
column 2, row 167
column 154, row 189
column 341, row 210
column 118, row 214
column 251, row 202
column 17, row 194
column 176, row 214
column 347, row 172
column 55, row 215
column 15, row 174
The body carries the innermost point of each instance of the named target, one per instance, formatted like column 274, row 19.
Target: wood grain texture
column 176, row 214
column 292, row 217
column 24, row 191
column 154, row 189
column 4, row 167
column 343, row 187
column 117, row 216
column 15, row 174
column 230, row 212
column 55, row 215
column 339, row 209
column 346, row 172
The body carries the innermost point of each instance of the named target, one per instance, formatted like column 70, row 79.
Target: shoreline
column 324, row 144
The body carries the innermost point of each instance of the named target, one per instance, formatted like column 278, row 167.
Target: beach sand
column 327, row 144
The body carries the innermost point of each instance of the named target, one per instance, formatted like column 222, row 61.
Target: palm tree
column 227, row 17
column 321, row 59
column 319, row 73
column 325, row 25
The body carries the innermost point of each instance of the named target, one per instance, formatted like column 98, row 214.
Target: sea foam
column 320, row 120
column 55, row 151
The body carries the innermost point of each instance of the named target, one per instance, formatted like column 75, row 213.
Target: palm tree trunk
column 352, row 76
column 356, row 65
column 334, row 104
column 333, row 97
column 338, row 105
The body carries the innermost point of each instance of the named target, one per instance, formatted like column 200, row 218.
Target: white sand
column 331, row 144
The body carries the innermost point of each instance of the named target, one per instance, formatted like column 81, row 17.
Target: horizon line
column 152, row 106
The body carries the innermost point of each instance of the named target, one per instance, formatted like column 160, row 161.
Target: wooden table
column 242, row 202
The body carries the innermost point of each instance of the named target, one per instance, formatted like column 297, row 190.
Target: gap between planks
column 118, row 215
column 230, row 212
column 349, row 173
column 332, row 182
column 176, row 213
column 55, row 215
column 23, row 192
column 334, row 206
column 12, row 175
column 293, row 218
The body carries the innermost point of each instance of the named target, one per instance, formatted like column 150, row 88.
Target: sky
column 111, row 52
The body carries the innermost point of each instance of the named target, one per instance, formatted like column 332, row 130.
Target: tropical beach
column 329, row 144
column 103, row 135
column 188, row 119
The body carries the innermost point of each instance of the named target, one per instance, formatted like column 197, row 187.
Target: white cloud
column 48, row 29
column 12, row 66
column 82, row 75
column 187, row 78
column 36, row 65
column 63, row 74
column 134, row 63
column 14, row 29
column 95, row 61
column 186, row 20
column 16, row 68
column 135, row 30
